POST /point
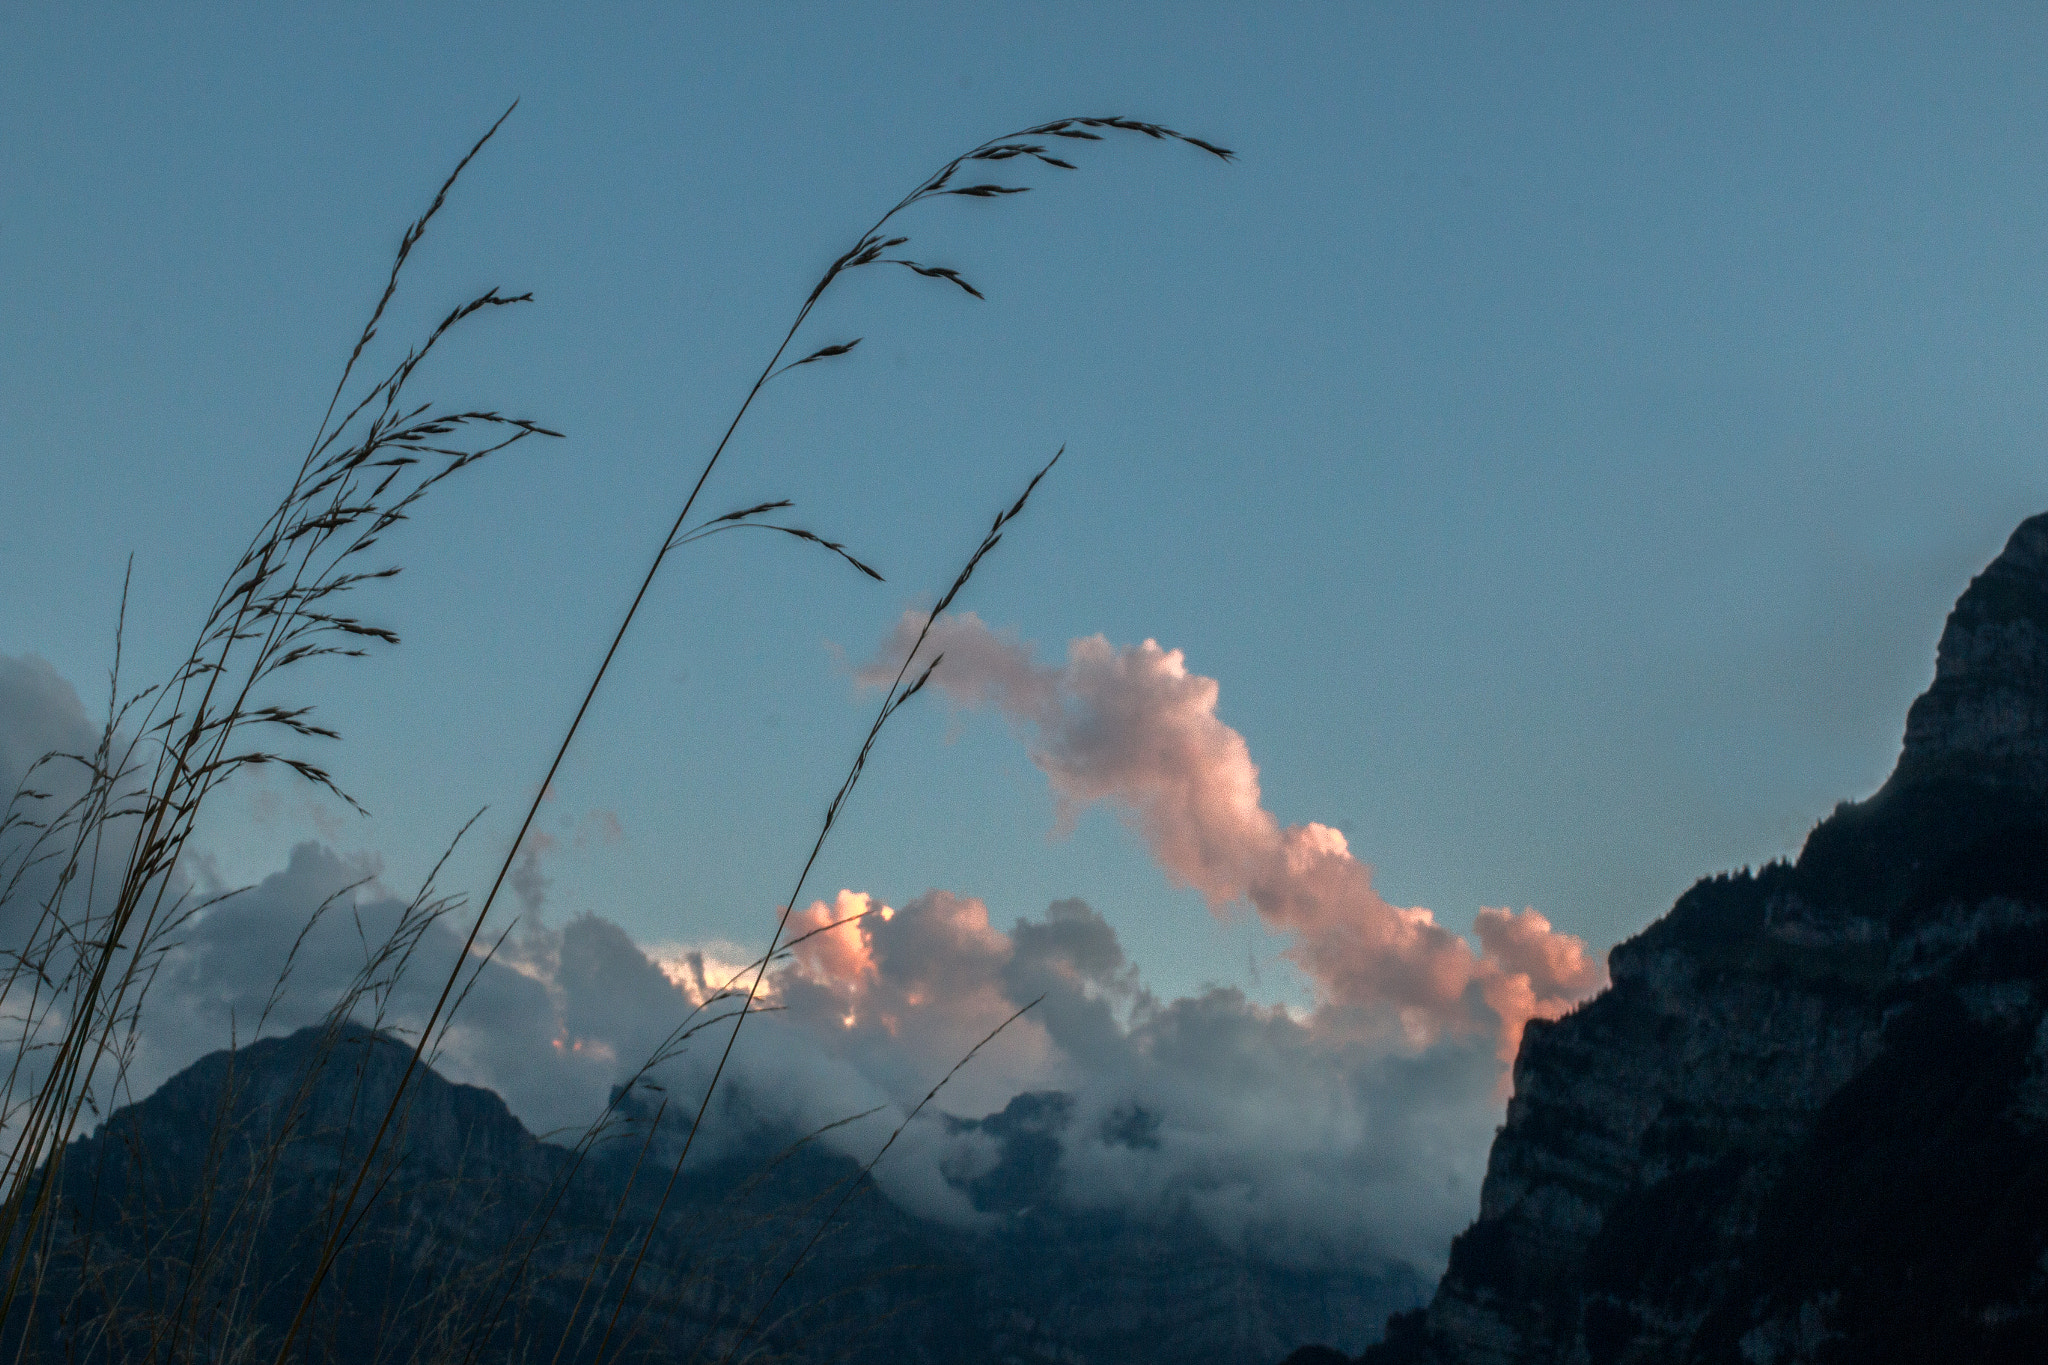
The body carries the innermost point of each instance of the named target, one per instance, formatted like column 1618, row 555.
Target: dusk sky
column 1559, row 434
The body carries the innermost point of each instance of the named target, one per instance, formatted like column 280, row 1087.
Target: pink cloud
column 1133, row 727
column 1538, row 972
column 904, row 991
column 834, row 948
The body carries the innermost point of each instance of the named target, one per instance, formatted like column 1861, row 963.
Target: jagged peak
column 1973, row 768
column 1985, row 718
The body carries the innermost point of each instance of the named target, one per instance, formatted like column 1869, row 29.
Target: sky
column 1558, row 435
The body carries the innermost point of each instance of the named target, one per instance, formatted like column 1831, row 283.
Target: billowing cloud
column 1272, row 1127
column 1537, row 973
column 1356, row 1130
column 1301, row 1140
column 39, row 714
column 1134, row 728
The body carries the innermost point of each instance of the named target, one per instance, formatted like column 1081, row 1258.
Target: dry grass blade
column 891, row 703
column 822, row 353
column 103, row 845
column 865, row 251
column 756, row 510
column 410, row 240
column 797, row 532
column 832, row 545
column 741, row 521
column 162, row 754
column 938, row 272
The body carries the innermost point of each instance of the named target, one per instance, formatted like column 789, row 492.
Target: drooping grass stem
column 871, row 248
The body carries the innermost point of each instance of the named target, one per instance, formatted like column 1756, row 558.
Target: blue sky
column 1561, row 433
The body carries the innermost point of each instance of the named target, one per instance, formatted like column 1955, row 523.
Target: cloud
column 1299, row 1140
column 1280, row 1132
column 1132, row 727
column 529, row 883
column 550, row 1022
column 1352, row 1131
column 39, row 714
column 1537, row 973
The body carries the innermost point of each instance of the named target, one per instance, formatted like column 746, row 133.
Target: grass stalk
column 103, row 863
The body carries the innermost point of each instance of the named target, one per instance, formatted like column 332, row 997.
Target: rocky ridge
column 1808, row 1121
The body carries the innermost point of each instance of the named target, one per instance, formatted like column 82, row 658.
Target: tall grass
column 93, row 897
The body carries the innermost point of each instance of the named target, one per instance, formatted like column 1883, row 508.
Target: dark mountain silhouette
column 189, row 1221
column 1808, row 1122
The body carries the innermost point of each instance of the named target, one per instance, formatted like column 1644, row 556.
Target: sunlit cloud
column 1357, row 1127
column 1133, row 728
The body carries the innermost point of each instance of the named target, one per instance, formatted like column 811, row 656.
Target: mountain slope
column 191, row 1219
column 1809, row 1119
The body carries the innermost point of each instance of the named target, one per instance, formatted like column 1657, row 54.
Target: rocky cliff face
column 1809, row 1119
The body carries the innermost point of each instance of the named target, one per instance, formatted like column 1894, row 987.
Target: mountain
column 188, row 1224
column 1808, row 1121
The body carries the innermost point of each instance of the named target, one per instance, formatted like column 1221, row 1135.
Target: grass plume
column 93, row 848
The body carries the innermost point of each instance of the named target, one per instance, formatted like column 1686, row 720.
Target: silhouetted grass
column 90, row 849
